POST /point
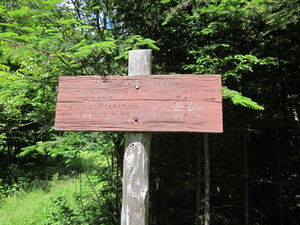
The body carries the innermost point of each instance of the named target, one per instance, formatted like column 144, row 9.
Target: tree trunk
column 246, row 180
column 206, row 181
column 280, row 197
column 198, row 184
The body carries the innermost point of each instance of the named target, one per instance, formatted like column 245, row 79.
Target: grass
column 33, row 208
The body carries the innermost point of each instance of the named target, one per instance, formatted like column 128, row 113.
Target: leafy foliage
column 103, row 204
column 41, row 40
column 237, row 98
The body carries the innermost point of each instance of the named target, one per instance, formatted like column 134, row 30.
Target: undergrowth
column 88, row 196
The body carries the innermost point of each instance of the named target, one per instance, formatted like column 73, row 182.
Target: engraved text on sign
column 170, row 103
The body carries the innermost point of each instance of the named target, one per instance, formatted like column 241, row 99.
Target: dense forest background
column 253, row 44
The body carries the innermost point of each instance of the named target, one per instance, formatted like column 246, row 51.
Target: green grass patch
column 34, row 207
column 65, row 199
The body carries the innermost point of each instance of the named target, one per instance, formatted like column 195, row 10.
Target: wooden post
column 135, row 203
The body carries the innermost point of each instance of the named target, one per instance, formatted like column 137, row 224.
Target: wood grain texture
column 135, row 201
column 162, row 103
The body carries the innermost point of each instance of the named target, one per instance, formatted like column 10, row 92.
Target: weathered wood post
column 135, row 202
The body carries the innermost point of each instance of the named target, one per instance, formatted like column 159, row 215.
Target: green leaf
column 23, row 11
column 8, row 34
column 238, row 99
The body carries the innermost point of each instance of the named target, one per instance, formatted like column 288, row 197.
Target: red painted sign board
column 162, row 103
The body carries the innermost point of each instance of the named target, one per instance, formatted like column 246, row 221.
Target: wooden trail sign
column 162, row 103
column 139, row 104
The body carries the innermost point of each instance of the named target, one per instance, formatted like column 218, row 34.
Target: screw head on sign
column 137, row 87
column 135, row 118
